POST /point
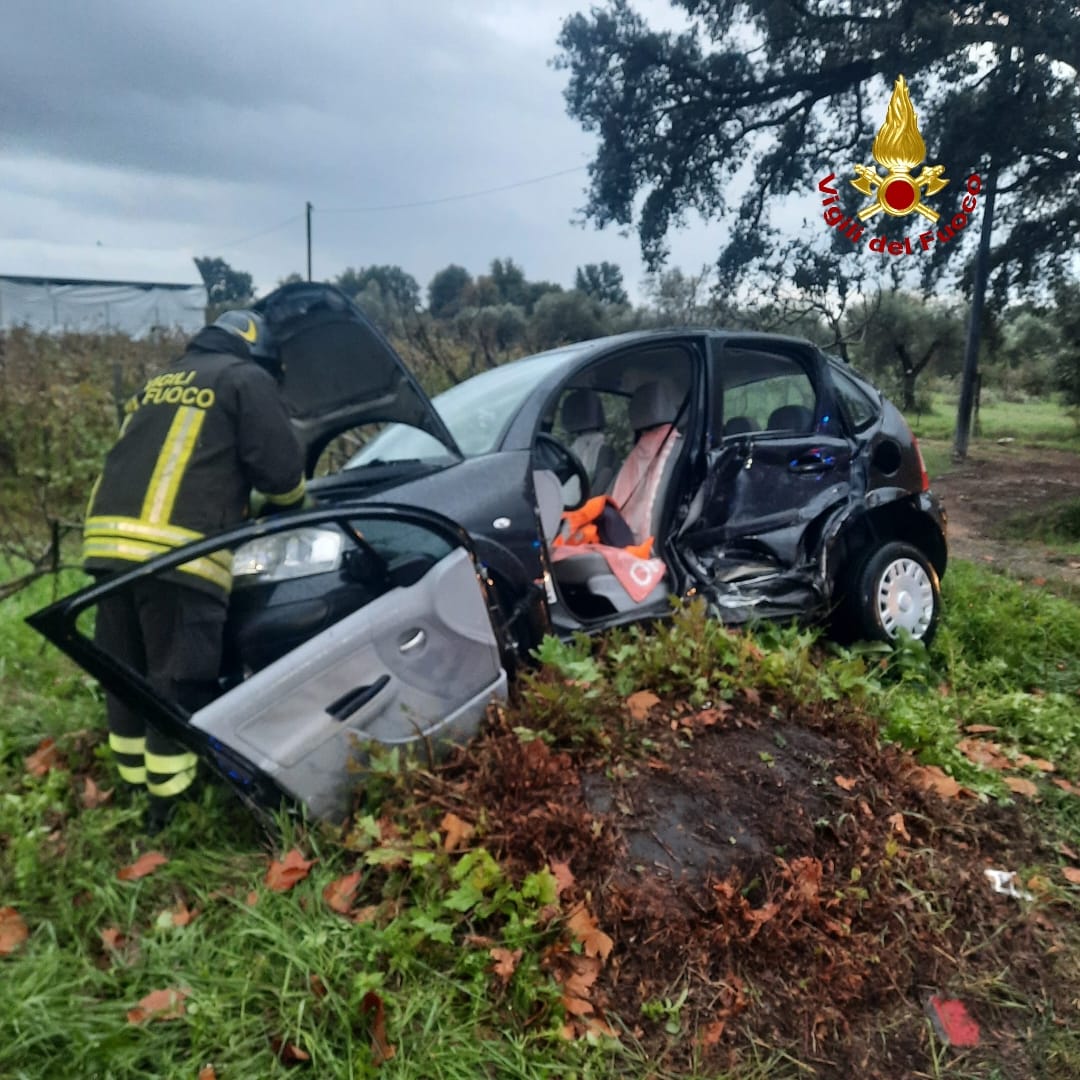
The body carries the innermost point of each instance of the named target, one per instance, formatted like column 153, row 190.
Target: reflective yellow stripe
column 165, row 537
column 171, row 464
column 140, row 551
column 93, row 494
column 180, row 782
column 289, row 496
column 132, row 774
column 126, row 744
column 167, row 764
column 173, row 535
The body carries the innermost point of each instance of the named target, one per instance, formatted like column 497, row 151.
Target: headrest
column 582, row 411
column 791, row 418
column 654, row 403
column 739, row 425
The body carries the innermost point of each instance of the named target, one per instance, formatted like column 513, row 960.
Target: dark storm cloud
column 166, row 124
column 256, row 92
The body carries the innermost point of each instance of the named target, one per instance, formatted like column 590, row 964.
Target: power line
column 262, row 232
column 453, row 198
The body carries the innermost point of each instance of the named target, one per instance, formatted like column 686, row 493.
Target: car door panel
column 421, row 661
column 404, row 668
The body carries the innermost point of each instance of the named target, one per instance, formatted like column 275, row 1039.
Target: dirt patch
column 770, row 878
column 734, row 805
column 996, row 482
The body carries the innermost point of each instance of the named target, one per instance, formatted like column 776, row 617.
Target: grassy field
column 462, row 949
column 1034, row 423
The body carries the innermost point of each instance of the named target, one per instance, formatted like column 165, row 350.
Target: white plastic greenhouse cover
column 100, row 290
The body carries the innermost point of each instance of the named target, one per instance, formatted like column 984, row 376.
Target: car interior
column 625, row 419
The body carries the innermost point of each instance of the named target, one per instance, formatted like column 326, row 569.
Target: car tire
column 895, row 587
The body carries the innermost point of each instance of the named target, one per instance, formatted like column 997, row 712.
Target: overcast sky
column 188, row 128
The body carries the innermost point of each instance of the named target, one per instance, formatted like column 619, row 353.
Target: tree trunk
column 974, row 330
column 909, row 376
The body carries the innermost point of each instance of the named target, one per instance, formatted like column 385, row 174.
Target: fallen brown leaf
column 932, row 778
column 365, row 914
column 143, row 865
column 381, row 1048
column 984, row 752
column 564, row 878
column 92, row 796
column 1021, row 786
column 845, row 782
column 506, row 962
column 897, row 822
column 457, row 831
column 576, row 1006
column 282, row 876
column 159, row 1005
column 252, row 898
column 288, row 1053
column 207, row 1072
column 13, row 931
column 713, row 1033
column 640, row 704
column 45, row 758
column 111, row 938
column 585, row 929
column 177, row 916
column 979, row 729
column 1068, row 852
column 339, row 894
column 1065, row 785
column 1072, row 875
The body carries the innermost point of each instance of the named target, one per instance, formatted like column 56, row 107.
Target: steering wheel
column 550, row 453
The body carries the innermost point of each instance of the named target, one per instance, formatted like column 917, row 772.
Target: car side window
column 764, row 392
column 859, row 410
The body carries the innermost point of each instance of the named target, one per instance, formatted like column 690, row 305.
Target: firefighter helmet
column 252, row 328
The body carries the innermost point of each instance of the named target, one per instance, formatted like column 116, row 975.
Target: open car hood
column 340, row 372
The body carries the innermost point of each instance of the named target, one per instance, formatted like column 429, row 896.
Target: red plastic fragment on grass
column 953, row 1022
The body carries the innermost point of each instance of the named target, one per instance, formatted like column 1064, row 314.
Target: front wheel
column 895, row 588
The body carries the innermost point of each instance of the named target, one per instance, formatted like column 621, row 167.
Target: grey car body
column 398, row 608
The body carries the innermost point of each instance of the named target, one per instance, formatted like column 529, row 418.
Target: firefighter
column 195, row 441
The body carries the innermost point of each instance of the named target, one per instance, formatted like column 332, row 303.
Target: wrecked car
column 772, row 480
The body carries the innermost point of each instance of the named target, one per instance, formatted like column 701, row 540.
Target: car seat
column 583, row 417
column 740, row 425
column 638, row 491
column 791, row 418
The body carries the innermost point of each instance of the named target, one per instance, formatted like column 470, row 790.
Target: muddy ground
column 995, row 483
column 766, row 878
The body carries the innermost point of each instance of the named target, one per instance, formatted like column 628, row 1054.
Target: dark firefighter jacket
column 195, row 440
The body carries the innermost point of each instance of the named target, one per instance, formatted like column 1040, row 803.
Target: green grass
column 1005, row 655
column 1057, row 525
column 1034, row 423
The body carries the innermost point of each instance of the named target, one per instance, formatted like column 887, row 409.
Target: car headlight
column 294, row 554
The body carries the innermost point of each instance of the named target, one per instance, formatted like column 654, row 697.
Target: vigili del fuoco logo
column 899, row 149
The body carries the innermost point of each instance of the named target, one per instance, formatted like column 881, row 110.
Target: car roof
column 582, row 349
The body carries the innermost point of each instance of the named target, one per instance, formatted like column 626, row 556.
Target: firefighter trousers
column 172, row 635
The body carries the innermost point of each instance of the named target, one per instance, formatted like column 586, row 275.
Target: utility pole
column 308, row 206
column 974, row 329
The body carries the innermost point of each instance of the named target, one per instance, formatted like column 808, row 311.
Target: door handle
column 355, row 699
column 813, row 461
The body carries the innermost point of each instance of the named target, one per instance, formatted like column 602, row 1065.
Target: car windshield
column 476, row 412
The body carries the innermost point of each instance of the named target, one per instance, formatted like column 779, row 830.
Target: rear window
column 762, row 391
column 859, row 409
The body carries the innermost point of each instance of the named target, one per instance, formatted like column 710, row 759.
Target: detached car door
column 417, row 657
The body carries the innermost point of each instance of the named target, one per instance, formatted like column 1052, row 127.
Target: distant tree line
column 899, row 336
